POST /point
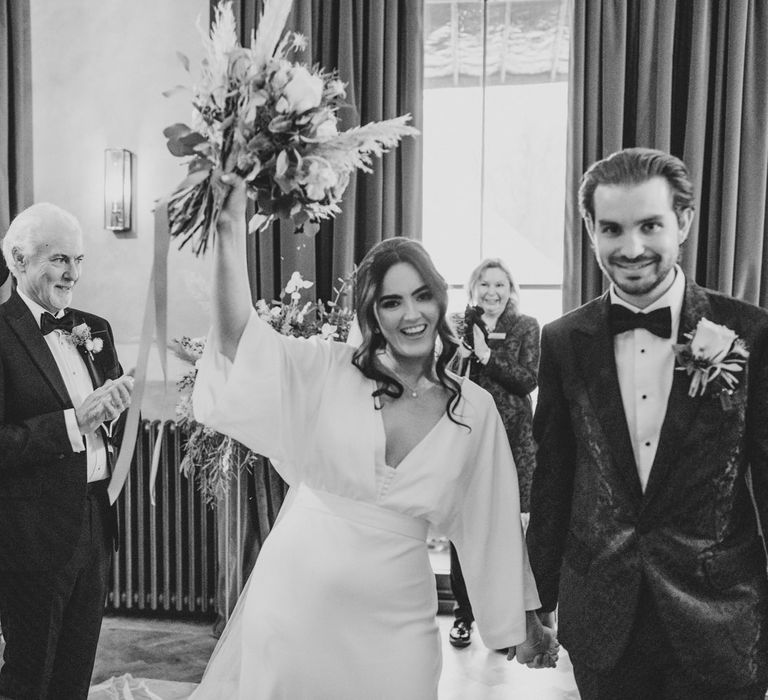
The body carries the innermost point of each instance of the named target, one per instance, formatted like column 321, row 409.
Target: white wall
column 98, row 70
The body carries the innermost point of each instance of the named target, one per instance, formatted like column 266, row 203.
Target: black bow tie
column 49, row 323
column 658, row 322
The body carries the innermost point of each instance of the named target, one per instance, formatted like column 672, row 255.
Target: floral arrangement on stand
column 211, row 458
column 272, row 121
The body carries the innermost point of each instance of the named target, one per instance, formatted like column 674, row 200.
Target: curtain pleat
column 689, row 77
column 15, row 113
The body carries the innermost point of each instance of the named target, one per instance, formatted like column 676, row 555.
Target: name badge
column 497, row 336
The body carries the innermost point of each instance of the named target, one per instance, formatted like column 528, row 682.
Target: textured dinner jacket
column 692, row 537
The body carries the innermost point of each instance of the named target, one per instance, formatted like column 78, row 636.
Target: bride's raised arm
column 231, row 295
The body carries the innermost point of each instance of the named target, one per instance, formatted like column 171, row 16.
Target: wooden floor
column 166, row 659
column 174, row 655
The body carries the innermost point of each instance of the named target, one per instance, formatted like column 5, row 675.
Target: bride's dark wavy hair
column 368, row 279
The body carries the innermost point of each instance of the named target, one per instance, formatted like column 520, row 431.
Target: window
column 495, row 107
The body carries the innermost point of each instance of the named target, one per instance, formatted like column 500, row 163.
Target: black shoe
column 460, row 634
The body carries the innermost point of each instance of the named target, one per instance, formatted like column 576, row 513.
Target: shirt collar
column 35, row 308
column 673, row 298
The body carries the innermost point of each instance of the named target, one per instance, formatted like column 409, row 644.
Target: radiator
column 166, row 563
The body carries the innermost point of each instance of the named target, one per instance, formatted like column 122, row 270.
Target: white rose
column 303, row 91
column 318, row 177
column 326, row 130
column 98, row 344
column 711, row 341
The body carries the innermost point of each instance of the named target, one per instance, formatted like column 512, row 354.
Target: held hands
column 104, row 404
column 540, row 649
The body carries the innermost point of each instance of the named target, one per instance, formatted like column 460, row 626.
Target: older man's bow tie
column 49, row 323
column 658, row 322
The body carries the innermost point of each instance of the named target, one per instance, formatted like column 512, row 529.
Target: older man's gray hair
column 28, row 227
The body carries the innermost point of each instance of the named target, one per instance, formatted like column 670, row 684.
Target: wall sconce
column 117, row 189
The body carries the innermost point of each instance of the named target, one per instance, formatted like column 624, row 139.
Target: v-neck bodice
column 385, row 473
column 302, row 403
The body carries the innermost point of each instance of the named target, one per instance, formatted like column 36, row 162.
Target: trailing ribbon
column 154, row 328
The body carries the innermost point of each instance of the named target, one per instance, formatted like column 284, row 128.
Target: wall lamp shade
column 117, row 189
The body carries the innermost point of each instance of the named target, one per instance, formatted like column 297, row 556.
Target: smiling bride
column 377, row 444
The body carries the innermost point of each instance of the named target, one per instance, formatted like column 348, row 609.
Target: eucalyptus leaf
column 179, row 148
column 280, row 124
column 281, row 166
column 192, row 139
column 175, row 131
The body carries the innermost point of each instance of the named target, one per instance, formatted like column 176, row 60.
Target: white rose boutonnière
column 712, row 357
column 81, row 335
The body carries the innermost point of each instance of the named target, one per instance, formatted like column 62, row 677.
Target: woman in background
column 504, row 360
column 376, row 442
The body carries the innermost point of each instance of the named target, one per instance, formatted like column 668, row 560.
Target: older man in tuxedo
column 61, row 389
column 643, row 527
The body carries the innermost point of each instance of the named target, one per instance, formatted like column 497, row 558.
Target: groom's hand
column 104, row 404
column 541, row 652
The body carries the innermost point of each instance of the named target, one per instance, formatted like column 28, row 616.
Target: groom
column 58, row 398
column 642, row 528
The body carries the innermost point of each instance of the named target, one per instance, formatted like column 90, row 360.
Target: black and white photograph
column 383, row 350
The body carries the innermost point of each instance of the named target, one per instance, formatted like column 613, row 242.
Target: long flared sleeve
column 269, row 397
column 487, row 532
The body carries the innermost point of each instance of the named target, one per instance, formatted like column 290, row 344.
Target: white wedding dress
column 341, row 603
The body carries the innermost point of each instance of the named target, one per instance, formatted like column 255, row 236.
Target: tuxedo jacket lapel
column 97, row 379
column 93, row 369
column 23, row 324
column 682, row 410
column 593, row 345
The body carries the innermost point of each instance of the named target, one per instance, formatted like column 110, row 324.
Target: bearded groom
column 652, row 413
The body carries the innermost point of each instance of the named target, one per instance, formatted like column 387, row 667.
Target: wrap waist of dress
column 360, row 512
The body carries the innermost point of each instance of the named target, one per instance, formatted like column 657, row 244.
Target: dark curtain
column 377, row 47
column 689, row 77
column 15, row 114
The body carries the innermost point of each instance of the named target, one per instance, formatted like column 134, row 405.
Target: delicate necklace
column 414, row 391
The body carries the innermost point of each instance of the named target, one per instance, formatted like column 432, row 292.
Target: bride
column 377, row 443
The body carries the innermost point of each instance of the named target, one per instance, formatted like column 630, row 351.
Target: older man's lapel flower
column 712, row 357
column 81, row 336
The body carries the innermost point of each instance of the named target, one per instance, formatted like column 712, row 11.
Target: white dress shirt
column 645, row 364
column 79, row 385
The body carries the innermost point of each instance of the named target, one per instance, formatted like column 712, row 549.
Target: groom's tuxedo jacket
column 692, row 537
column 42, row 481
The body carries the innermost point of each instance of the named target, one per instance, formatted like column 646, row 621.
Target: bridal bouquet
column 211, row 458
column 272, row 121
